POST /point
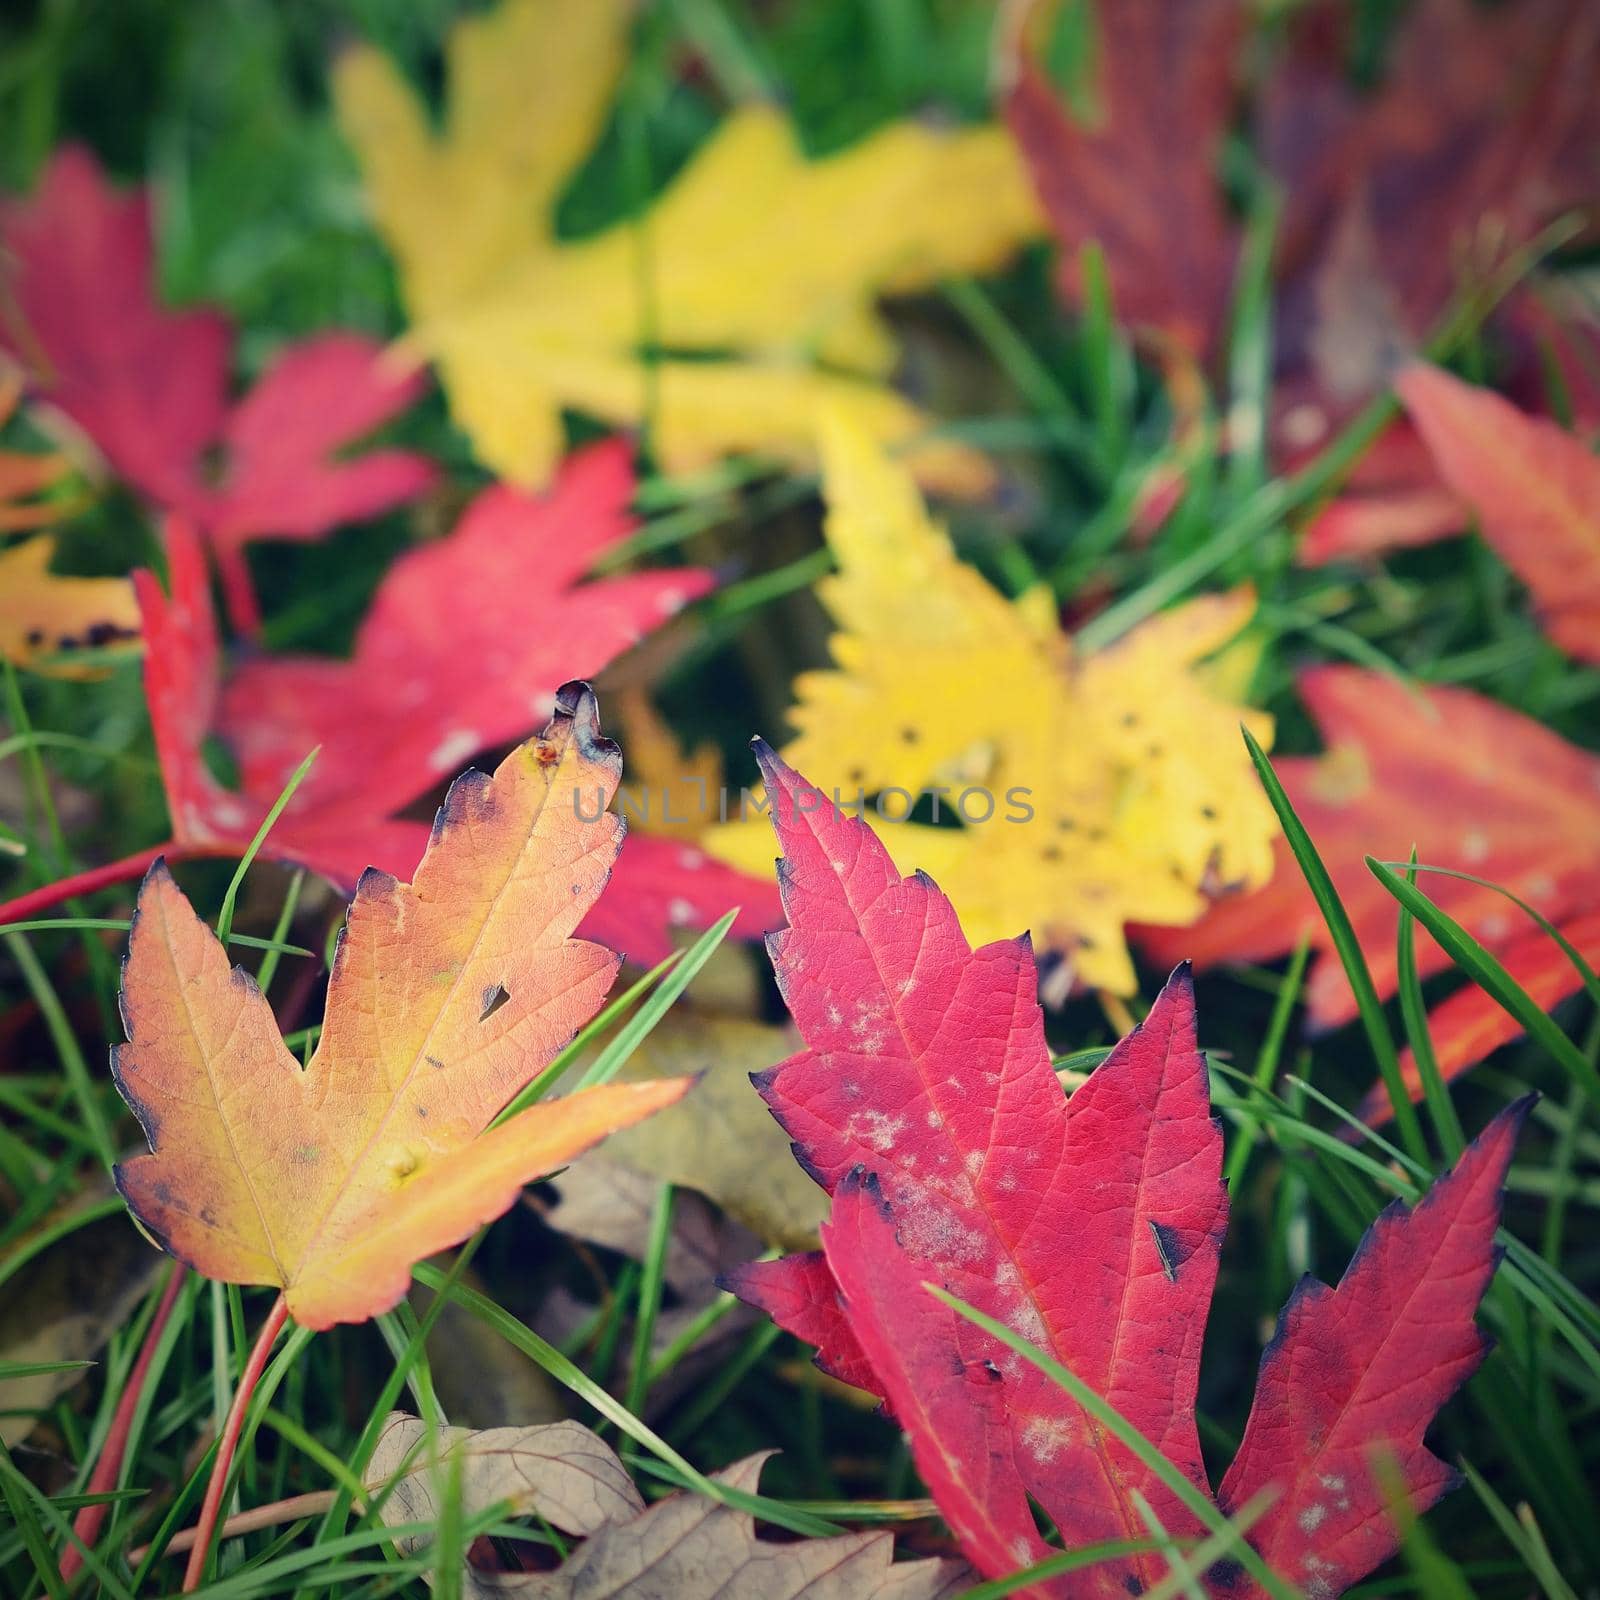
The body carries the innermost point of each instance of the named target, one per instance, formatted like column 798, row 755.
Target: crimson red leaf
column 927, row 1065
column 926, row 1104
column 150, row 386
column 1357, row 1373
column 464, row 644
column 1140, row 178
column 953, row 1404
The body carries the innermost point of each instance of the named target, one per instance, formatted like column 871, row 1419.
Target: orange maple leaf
column 448, row 995
column 1534, row 488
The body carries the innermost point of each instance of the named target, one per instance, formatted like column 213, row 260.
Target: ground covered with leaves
column 1099, row 1098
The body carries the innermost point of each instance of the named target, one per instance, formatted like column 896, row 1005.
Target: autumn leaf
column 150, row 387
column 1474, row 786
column 754, row 255
column 416, row 703
column 1113, row 782
column 1534, row 489
column 447, row 996
column 688, row 1546
column 926, row 1104
column 1139, row 176
column 43, row 613
column 722, row 1144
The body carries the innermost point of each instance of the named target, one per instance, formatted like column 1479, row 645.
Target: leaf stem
column 210, row 1508
column 52, row 894
column 108, row 1469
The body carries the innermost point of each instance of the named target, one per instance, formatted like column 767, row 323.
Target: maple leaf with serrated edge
column 1476, row 787
column 1114, row 781
column 149, row 387
column 417, row 701
column 757, row 302
column 926, row 1104
column 447, row 996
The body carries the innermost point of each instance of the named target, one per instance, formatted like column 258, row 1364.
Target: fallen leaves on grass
column 687, row 1546
column 925, row 1102
column 417, row 702
column 447, row 996
column 149, row 387
column 1114, row 783
column 744, row 296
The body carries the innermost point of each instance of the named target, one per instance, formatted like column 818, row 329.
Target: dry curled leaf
column 754, row 256
column 686, row 1547
column 722, row 1144
column 447, row 996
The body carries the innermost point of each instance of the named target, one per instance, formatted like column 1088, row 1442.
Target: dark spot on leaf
column 1132, row 1585
column 1169, row 1247
column 494, row 997
column 1130, row 719
column 1051, row 852
column 35, row 638
column 434, row 1062
column 1209, row 813
column 909, row 735
column 422, row 1111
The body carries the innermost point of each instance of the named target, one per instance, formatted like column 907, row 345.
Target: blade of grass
column 1267, row 1062
column 1491, row 976
column 1348, row 948
column 296, row 778
column 1414, row 1013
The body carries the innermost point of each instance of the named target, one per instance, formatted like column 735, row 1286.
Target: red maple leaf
column 926, row 1104
column 419, row 699
column 1476, row 787
column 150, row 387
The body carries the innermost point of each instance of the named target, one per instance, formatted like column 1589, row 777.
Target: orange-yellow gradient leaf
column 753, row 277
column 1091, row 789
column 448, row 995
column 43, row 614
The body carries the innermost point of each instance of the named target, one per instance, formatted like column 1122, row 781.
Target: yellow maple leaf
column 448, row 996
column 43, row 614
column 1093, row 790
column 753, row 278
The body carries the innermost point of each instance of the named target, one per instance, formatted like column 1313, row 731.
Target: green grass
column 225, row 106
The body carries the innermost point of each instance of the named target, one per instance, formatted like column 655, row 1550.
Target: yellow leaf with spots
column 43, row 614
column 448, row 995
column 753, row 279
column 1087, row 790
